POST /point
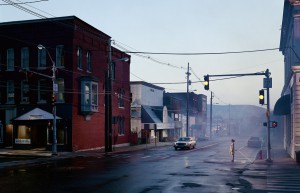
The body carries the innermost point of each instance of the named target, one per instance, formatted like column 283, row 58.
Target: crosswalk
column 283, row 180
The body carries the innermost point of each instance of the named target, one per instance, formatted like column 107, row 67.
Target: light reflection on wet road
column 155, row 170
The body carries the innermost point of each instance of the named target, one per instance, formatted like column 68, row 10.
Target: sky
column 184, row 26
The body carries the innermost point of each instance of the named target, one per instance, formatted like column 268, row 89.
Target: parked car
column 185, row 143
column 254, row 142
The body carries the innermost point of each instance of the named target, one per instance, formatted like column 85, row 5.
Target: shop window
column 42, row 62
column 43, row 91
column 23, row 135
column 24, row 91
column 10, row 59
column 89, row 96
column 10, row 92
column 60, row 56
column 60, row 134
column 25, row 58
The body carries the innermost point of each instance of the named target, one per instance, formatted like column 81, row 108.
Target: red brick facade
column 81, row 55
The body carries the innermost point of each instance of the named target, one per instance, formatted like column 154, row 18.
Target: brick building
column 81, row 55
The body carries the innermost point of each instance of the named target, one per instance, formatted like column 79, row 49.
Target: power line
column 203, row 53
column 26, row 2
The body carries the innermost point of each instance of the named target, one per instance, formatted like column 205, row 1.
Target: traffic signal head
column 206, row 82
column 261, row 96
column 274, row 124
column 53, row 99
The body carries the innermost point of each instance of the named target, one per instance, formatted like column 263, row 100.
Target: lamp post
column 54, row 91
column 108, row 99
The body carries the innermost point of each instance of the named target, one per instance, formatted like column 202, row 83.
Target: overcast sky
column 184, row 26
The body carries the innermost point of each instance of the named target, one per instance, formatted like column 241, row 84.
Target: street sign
column 267, row 82
column 55, row 87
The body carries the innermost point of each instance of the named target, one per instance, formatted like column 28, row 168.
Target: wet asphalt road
column 205, row 169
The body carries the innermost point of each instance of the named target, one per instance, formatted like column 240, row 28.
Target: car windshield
column 183, row 139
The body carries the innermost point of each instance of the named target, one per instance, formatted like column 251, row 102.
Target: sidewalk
column 12, row 157
column 278, row 156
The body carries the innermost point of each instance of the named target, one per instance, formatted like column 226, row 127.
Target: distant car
column 185, row 143
column 254, row 142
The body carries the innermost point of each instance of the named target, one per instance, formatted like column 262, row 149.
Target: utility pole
column 54, row 91
column 187, row 98
column 108, row 102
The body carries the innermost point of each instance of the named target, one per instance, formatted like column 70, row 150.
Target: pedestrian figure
column 231, row 150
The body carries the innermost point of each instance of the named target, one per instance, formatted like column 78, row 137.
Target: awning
column 36, row 114
column 283, row 105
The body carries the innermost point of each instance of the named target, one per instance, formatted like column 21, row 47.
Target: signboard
column 267, row 82
column 55, row 87
column 22, row 141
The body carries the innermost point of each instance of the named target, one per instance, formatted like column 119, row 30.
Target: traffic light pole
column 268, row 81
column 268, row 119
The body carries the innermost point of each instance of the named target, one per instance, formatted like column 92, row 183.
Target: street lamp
column 108, row 99
column 54, row 90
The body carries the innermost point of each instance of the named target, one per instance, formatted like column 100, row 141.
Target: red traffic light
column 274, row 124
column 53, row 99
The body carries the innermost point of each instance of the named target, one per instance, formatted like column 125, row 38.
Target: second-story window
column 60, row 58
column 113, row 70
column 121, row 96
column 10, row 59
column 25, row 58
column 24, row 91
column 61, row 90
column 79, row 58
column 10, row 92
column 89, row 95
column 43, row 90
column 42, row 58
column 88, row 61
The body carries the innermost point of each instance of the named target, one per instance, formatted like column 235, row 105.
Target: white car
column 185, row 143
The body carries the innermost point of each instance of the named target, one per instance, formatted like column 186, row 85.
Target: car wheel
column 175, row 148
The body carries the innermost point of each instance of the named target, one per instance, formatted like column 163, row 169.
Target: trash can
column 297, row 155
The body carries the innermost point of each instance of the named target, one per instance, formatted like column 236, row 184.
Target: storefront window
column 23, row 135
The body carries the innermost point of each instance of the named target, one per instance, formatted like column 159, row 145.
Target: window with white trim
column 89, row 96
column 10, row 60
column 25, row 58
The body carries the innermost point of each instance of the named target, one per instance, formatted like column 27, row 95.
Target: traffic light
column 206, row 82
column 262, row 97
column 274, row 124
column 53, row 99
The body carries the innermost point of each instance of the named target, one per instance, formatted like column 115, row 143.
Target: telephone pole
column 187, row 98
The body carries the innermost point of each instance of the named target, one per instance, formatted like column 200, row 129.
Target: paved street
column 156, row 169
